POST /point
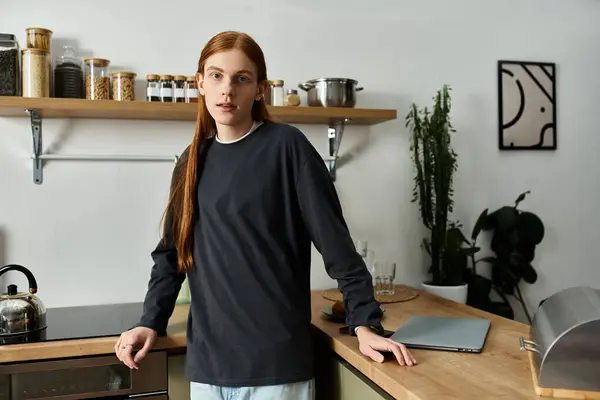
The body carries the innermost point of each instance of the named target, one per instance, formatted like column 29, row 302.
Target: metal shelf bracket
column 36, row 132
column 335, row 131
column 38, row 157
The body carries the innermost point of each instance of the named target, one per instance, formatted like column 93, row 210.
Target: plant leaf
column 470, row 250
column 521, row 198
column 479, row 224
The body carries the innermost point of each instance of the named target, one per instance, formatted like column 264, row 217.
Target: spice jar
column 38, row 38
column 179, row 88
column 10, row 65
column 37, row 68
column 292, row 98
column 166, row 88
column 152, row 87
column 97, row 81
column 191, row 90
column 123, row 86
column 277, row 93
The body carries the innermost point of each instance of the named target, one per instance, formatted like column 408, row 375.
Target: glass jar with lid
column 37, row 67
column 153, row 87
column 68, row 75
column 292, row 99
column 166, row 88
column 10, row 65
column 123, row 86
column 97, row 79
column 38, row 38
column 191, row 90
column 277, row 92
column 179, row 88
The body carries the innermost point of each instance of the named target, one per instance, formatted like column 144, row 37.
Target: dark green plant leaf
column 507, row 219
column 529, row 274
column 426, row 246
column 527, row 251
column 521, row 198
column 479, row 225
column 469, row 251
column 531, row 228
column 500, row 245
column 489, row 259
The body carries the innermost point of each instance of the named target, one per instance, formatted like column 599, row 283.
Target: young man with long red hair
column 248, row 197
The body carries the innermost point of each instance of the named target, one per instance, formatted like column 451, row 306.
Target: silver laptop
column 443, row 333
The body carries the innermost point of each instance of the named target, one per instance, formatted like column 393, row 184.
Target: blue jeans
column 290, row 391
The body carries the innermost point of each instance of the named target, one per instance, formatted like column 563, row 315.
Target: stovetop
column 82, row 322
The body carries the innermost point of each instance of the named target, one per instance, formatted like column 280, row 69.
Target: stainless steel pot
column 21, row 313
column 331, row 92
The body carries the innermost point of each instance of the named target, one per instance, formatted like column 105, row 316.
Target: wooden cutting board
column 559, row 393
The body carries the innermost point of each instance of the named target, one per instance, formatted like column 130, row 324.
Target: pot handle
column 358, row 89
column 15, row 267
column 306, row 86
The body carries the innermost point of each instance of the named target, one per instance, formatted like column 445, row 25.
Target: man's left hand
column 370, row 344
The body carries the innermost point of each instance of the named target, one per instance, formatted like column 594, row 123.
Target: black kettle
column 21, row 313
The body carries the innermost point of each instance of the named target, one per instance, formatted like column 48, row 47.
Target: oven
column 97, row 377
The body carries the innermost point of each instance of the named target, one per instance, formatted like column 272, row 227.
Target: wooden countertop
column 501, row 371
column 175, row 339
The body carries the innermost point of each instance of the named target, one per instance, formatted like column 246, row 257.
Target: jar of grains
column 97, row 81
column 123, row 86
column 37, row 67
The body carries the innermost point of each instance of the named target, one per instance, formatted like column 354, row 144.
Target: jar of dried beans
column 10, row 65
column 123, row 86
column 97, row 80
column 37, row 67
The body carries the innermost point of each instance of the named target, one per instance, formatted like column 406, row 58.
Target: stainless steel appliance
column 21, row 313
column 90, row 377
column 82, row 322
column 331, row 92
column 565, row 340
column 86, row 378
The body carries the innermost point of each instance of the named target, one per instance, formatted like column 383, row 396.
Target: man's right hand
column 134, row 339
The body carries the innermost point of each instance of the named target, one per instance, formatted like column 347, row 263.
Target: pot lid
column 343, row 80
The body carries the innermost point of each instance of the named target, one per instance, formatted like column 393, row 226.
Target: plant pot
column 455, row 293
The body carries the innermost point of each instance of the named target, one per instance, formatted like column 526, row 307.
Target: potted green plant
column 515, row 236
column 435, row 163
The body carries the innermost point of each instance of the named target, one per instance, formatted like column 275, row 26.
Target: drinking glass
column 384, row 273
column 361, row 247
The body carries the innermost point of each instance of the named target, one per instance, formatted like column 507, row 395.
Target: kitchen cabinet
column 179, row 386
column 337, row 379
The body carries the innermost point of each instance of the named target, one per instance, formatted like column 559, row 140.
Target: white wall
column 88, row 230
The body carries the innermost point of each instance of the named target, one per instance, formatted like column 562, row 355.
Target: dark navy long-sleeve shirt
column 262, row 201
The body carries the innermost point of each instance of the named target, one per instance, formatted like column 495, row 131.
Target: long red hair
column 180, row 212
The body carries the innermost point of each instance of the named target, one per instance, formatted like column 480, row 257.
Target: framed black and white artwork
column 526, row 105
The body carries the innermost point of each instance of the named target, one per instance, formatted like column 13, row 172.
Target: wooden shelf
column 36, row 109
column 143, row 110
